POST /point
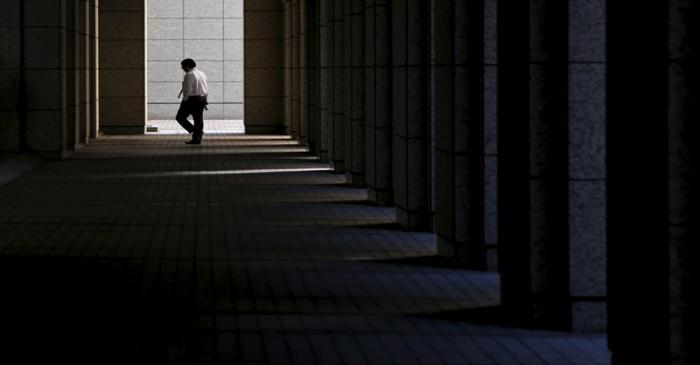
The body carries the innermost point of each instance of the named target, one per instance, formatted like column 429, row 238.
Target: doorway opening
column 211, row 33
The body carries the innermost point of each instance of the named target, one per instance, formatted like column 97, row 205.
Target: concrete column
column 288, row 76
column 354, row 92
column 326, row 79
column 264, row 67
column 637, row 173
column 94, row 69
column 490, row 132
column 44, row 47
column 294, row 19
column 303, row 74
column 587, row 194
column 347, row 85
column 11, row 83
column 84, row 69
column 549, row 199
column 73, row 88
column 314, row 82
column 122, row 67
column 411, row 114
column 336, row 144
column 457, row 66
column 378, row 129
column 513, row 161
column 684, row 180
column 533, row 162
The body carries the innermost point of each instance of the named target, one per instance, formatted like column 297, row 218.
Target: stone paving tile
column 241, row 250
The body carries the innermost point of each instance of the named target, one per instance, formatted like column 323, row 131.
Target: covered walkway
column 245, row 249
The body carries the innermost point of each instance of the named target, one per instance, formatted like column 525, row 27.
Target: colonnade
column 458, row 125
column 549, row 140
column 50, row 78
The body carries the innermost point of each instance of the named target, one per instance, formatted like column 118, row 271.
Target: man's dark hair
column 188, row 62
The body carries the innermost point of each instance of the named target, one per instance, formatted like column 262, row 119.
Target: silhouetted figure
column 194, row 100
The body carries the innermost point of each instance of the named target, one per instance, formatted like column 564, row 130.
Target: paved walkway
column 243, row 250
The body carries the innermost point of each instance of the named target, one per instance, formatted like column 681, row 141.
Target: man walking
column 194, row 100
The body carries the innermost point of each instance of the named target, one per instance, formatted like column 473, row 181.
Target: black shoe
column 196, row 138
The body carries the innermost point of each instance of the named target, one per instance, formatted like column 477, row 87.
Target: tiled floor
column 243, row 250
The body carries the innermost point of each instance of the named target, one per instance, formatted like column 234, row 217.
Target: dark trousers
column 194, row 105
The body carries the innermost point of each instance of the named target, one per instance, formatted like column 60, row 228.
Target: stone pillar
column 457, row 66
column 94, row 68
column 122, row 67
column 347, row 85
column 314, row 82
column 11, row 83
column 44, row 47
column 513, row 161
column 410, row 113
column 378, row 129
column 549, row 174
column 533, row 162
column 294, row 53
column 303, row 74
column 587, row 197
column 288, row 76
column 490, row 132
column 337, row 131
column 637, row 176
column 354, row 92
column 264, row 67
column 684, row 180
column 84, row 69
column 73, row 88
column 326, row 79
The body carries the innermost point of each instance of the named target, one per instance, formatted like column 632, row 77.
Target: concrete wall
column 45, row 75
column 10, row 77
column 264, row 68
column 44, row 84
column 122, row 59
column 211, row 33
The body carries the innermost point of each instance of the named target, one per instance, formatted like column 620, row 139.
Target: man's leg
column 198, row 116
column 182, row 115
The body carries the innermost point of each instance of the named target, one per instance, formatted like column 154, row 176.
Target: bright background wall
column 211, row 33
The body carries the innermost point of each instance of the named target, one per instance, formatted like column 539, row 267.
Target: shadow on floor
column 496, row 316
column 433, row 261
column 88, row 313
column 483, row 316
column 391, row 226
column 350, row 202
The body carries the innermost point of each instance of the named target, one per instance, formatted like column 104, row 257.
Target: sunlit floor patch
column 223, row 172
column 167, row 127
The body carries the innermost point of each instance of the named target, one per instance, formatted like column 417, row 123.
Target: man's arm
column 186, row 86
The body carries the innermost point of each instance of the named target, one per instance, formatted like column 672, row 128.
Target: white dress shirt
column 194, row 84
